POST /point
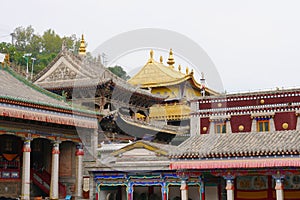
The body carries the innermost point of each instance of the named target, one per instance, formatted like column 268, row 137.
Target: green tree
column 23, row 37
column 119, row 71
column 43, row 47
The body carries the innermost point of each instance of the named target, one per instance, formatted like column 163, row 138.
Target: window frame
column 263, row 123
column 222, row 127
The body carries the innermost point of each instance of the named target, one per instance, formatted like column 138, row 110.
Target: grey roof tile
column 240, row 144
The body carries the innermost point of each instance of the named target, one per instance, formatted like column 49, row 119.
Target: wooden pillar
column 279, row 186
column 164, row 191
column 230, row 187
column 25, row 193
column 184, row 189
column 79, row 176
column 54, row 191
column 202, row 189
column 129, row 190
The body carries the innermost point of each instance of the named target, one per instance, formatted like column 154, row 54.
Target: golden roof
column 155, row 74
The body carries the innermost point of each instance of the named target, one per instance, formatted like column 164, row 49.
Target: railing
column 43, row 179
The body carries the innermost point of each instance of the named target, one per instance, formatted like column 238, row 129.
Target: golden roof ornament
column 151, row 56
column 82, row 50
column 179, row 67
column 171, row 61
column 161, row 59
column 187, row 70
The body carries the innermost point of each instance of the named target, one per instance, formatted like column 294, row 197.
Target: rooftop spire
column 151, row 56
column 171, row 61
column 161, row 59
column 202, row 82
column 82, row 50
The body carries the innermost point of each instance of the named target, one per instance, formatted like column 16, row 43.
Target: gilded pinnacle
column 161, row 59
column 82, row 50
column 151, row 56
column 171, row 61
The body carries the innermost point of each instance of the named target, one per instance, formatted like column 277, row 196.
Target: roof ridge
column 33, row 86
column 42, row 91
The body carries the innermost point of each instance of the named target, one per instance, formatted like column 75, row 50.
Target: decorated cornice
column 236, row 163
column 250, row 96
column 35, row 114
column 260, row 110
column 219, row 117
column 38, row 134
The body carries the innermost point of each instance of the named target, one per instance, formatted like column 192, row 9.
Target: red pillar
column 164, row 191
column 202, row 189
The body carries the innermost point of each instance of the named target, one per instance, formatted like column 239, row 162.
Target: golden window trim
column 262, row 121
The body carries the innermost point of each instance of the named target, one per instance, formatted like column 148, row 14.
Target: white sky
column 254, row 44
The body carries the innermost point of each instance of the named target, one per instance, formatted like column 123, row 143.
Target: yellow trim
column 252, row 195
column 139, row 144
column 263, row 123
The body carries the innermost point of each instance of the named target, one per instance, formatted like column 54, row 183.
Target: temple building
column 115, row 142
column 248, row 143
column 178, row 86
column 41, row 153
column 242, row 146
column 89, row 84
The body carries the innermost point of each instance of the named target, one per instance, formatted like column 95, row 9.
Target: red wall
column 237, row 120
column 204, row 122
column 285, row 117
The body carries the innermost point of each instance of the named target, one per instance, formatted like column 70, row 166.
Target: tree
column 44, row 48
column 23, row 37
column 118, row 70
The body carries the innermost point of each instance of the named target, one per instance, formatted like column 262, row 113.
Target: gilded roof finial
column 151, row 56
column 171, row 61
column 82, row 50
column 161, row 59
column 179, row 67
column 187, row 70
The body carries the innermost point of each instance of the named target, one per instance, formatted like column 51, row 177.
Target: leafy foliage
column 42, row 47
column 119, row 71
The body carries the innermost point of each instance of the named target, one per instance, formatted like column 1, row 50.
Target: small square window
column 220, row 127
column 263, row 125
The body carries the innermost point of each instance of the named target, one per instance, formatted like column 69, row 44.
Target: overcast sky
column 253, row 44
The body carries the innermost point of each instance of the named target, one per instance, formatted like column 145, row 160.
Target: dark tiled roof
column 95, row 73
column 14, row 88
column 11, row 85
column 240, row 145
